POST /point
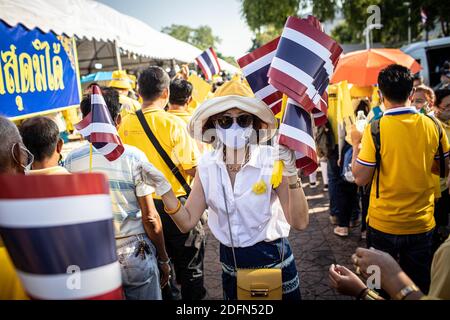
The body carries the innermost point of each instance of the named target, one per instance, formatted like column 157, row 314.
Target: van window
column 436, row 58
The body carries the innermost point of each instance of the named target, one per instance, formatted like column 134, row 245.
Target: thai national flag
column 255, row 67
column 58, row 230
column 209, row 63
column 296, row 133
column 99, row 129
column 304, row 61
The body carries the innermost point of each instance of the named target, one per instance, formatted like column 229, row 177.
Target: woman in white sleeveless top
column 233, row 182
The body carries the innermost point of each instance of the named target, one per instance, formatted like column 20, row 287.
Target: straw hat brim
column 218, row 105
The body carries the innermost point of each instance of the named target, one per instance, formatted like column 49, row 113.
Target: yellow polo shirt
column 172, row 134
column 183, row 115
column 128, row 105
column 409, row 145
column 10, row 285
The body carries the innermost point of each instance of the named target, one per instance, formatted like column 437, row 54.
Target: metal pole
column 409, row 23
column 119, row 61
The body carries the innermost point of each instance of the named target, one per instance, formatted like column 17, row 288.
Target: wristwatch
column 296, row 185
column 406, row 291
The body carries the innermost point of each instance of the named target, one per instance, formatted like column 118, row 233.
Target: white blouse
column 253, row 217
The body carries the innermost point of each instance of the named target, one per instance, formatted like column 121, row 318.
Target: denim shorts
column 140, row 274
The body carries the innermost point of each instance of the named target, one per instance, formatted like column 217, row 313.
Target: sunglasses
column 244, row 121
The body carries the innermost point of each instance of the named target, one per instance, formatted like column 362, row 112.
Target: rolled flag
column 208, row 63
column 99, row 129
column 58, row 230
column 255, row 67
column 304, row 61
column 423, row 16
column 296, row 133
column 320, row 112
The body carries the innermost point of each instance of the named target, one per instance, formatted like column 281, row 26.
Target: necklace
column 236, row 167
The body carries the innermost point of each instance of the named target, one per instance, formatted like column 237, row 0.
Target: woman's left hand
column 345, row 281
column 288, row 157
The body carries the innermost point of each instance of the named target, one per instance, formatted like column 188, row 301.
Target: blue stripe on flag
column 208, row 62
column 258, row 79
column 49, row 250
column 299, row 56
column 298, row 118
column 100, row 114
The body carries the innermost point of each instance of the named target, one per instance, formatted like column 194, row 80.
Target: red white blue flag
column 209, row 63
column 296, row 133
column 58, row 230
column 99, row 129
column 255, row 67
column 304, row 62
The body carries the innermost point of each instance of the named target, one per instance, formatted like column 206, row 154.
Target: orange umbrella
column 362, row 67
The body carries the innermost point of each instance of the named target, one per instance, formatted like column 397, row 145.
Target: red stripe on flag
column 86, row 121
column 295, row 91
column 258, row 53
column 103, row 137
column 202, row 68
column 277, row 107
column 116, row 153
column 52, row 186
column 272, row 98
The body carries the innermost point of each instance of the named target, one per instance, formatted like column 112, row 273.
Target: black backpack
column 375, row 131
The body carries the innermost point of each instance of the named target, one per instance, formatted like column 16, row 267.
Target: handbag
column 256, row 284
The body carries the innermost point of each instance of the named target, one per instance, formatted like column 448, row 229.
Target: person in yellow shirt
column 122, row 83
column 442, row 209
column 14, row 159
column 40, row 135
column 400, row 216
column 176, row 157
column 180, row 97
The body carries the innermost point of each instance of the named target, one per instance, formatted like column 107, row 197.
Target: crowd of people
column 218, row 166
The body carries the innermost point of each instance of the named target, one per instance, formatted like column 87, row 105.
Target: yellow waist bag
column 256, row 284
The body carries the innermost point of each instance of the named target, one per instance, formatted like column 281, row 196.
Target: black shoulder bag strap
column 375, row 131
column 440, row 149
column 173, row 168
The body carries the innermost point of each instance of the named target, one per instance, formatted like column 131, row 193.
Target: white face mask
column 234, row 137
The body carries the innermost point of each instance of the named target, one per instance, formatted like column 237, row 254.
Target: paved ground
column 314, row 250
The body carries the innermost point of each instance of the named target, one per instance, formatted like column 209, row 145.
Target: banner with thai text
column 38, row 72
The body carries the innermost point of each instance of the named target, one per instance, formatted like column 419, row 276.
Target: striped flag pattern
column 255, row 67
column 99, row 129
column 304, row 61
column 208, row 63
column 296, row 133
column 58, row 230
column 301, row 68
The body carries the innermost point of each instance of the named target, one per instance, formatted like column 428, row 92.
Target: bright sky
column 222, row 16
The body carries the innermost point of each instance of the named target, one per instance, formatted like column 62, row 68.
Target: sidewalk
column 315, row 249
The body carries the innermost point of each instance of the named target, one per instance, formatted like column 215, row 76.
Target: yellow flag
column 200, row 91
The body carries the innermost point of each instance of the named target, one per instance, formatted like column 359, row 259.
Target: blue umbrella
column 99, row 76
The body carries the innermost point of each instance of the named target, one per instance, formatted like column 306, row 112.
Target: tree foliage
column 201, row 37
column 268, row 13
column 266, row 18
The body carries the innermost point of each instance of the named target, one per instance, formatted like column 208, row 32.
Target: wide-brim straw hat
column 232, row 94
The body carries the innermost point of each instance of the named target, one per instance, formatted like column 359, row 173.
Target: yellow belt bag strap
column 256, row 284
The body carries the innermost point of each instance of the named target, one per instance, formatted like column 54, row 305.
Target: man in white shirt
column 138, row 228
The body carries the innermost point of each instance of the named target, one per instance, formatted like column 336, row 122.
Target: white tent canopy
column 87, row 19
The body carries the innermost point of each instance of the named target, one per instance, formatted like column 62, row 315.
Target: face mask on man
column 235, row 137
